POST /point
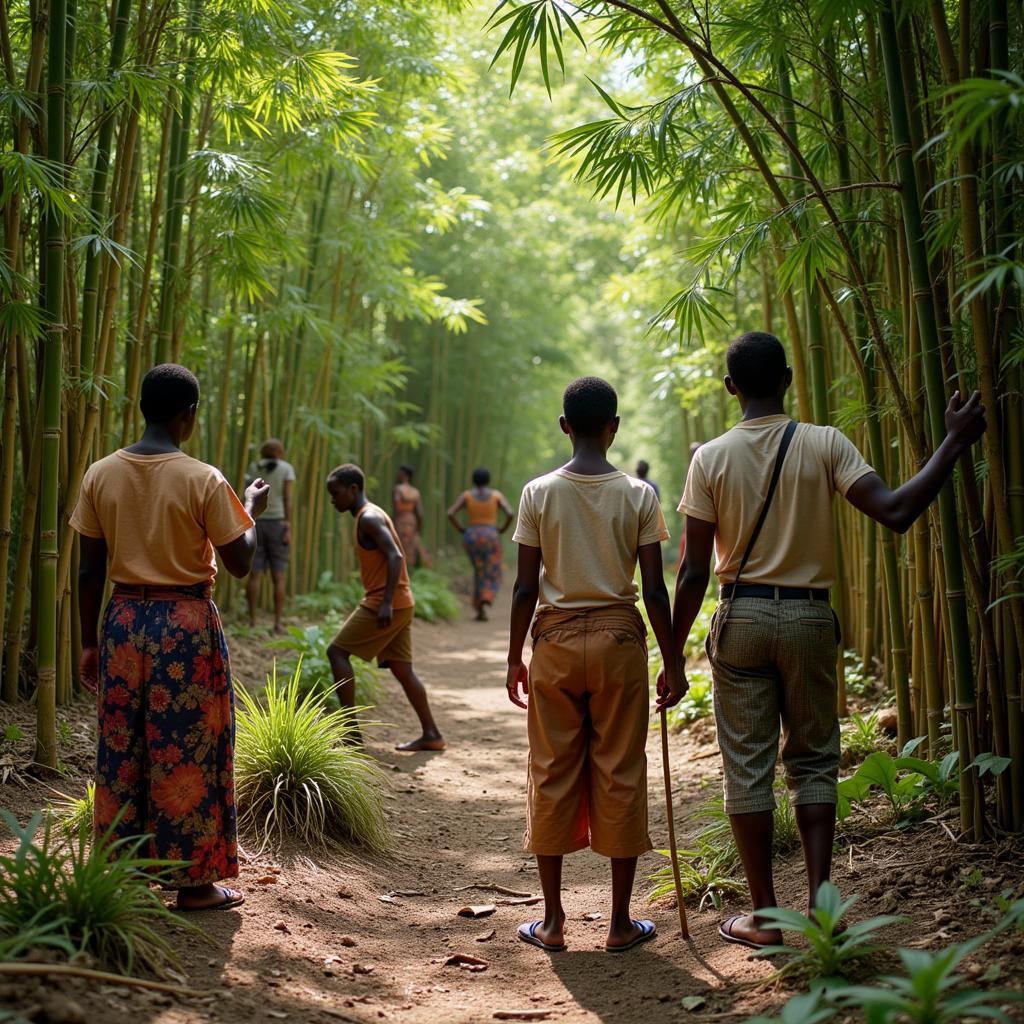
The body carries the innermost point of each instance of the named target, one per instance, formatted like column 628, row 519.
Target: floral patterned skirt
column 483, row 545
column 165, row 751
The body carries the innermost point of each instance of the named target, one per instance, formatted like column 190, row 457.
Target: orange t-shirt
column 373, row 568
column 482, row 513
column 161, row 516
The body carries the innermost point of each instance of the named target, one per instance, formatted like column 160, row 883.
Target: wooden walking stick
column 674, row 853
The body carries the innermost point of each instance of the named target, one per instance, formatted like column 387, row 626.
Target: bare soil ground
column 357, row 938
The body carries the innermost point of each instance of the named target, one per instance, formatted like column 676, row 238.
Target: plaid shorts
column 774, row 663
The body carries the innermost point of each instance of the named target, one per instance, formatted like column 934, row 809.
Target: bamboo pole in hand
column 673, row 852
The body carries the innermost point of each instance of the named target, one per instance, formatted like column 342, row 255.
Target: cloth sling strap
column 787, row 437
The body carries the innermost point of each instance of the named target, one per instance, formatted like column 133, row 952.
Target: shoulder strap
column 787, row 437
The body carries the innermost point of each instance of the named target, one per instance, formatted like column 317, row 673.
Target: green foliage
column 301, row 773
column 861, row 735
column 708, row 875
column 83, row 897
column 831, row 949
column 308, row 646
column 13, row 734
column 857, row 681
column 74, row 815
column 711, row 872
column 909, row 784
column 930, row 991
column 435, row 601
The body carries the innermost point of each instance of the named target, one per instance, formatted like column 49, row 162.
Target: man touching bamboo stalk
column 761, row 494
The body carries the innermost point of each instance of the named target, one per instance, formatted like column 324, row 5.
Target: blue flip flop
column 648, row 930
column 528, row 933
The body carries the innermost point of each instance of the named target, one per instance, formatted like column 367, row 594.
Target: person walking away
column 643, row 470
column 273, row 529
column 381, row 627
column 165, row 737
column 772, row 642
column 581, row 531
column 481, row 537
column 408, row 507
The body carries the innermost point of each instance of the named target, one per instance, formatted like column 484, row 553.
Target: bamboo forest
column 394, row 243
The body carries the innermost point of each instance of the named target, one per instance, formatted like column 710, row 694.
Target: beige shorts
column 362, row 636
column 774, row 670
column 587, row 721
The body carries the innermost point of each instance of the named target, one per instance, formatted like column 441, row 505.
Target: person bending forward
column 381, row 627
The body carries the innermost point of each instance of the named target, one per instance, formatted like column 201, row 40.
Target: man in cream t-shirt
column 772, row 643
column 582, row 529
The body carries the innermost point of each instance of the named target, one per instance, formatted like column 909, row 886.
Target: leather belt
column 147, row 592
column 763, row 590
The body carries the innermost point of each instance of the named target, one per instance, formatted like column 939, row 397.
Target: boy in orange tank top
column 381, row 627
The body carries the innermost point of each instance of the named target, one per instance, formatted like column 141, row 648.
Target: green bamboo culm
column 53, row 292
column 965, row 701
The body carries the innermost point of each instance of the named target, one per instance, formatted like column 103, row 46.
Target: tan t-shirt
column 588, row 529
column 727, row 484
column 161, row 516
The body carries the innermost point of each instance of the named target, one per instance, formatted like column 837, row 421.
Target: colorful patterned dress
column 165, row 738
column 483, row 545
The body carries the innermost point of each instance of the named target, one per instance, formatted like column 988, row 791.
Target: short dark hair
column 346, row 475
column 757, row 363
column 589, row 405
column 481, row 476
column 168, row 389
column 407, row 470
column 642, row 468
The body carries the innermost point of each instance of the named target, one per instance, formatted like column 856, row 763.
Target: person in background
column 408, row 507
column 481, row 537
column 772, row 641
column 165, row 741
column 381, row 627
column 642, row 469
column 273, row 529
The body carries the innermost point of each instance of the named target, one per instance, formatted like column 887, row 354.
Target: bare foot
column 425, row 742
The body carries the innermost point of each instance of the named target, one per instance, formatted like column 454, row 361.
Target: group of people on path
column 759, row 498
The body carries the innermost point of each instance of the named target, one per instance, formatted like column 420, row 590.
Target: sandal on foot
column 647, row 932
column 232, row 898
column 528, row 933
column 726, row 932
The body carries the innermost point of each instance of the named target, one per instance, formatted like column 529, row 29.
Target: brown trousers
column 587, row 722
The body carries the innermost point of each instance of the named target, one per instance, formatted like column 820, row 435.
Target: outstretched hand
column 965, row 421
column 517, row 676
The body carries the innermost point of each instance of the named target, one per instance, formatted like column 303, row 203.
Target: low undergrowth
column 82, row 897
column 301, row 773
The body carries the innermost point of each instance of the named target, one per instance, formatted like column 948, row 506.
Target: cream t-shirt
column 588, row 529
column 727, row 484
column 161, row 516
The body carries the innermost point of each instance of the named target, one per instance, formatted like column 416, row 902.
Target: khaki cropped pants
column 587, row 723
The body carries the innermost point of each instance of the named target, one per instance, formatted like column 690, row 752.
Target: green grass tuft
column 299, row 776
column 74, row 815
column 83, row 897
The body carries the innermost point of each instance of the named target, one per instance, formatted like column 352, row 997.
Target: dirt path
column 320, row 944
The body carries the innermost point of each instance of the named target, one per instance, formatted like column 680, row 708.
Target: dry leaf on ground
column 478, row 910
column 466, row 962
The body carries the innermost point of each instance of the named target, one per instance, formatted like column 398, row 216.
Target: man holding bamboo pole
column 762, row 495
